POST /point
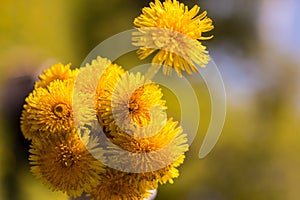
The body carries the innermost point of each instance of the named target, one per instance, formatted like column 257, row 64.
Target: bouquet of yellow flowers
column 102, row 131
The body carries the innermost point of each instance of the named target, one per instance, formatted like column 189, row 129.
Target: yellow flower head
column 115, row 185
column 56, row 72
column 133, row 99
column 175, row 31
column 154, row 158
column 64, row 163
column 128, row 101
column 142, row 100
column 48, row 110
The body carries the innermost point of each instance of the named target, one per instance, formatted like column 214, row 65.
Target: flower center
column 61, row 110
column 168, row 40
column 133, row 107
column 66, row 156
column 138, row 110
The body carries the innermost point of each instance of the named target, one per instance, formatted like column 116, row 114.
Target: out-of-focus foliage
column 257, row 154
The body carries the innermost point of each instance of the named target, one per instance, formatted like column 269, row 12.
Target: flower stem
column 152, row 71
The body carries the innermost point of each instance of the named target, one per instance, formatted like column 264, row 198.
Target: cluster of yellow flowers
column 68, row 152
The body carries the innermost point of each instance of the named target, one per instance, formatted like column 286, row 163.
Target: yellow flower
column 64, row 163
column 175, row 31
column 56, row 72
column 48, row 110
column 129, row 102
column 141, row 102
column 133, row 98
column 153, row 158
column 115, row 185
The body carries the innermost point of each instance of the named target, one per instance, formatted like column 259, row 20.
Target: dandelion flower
column 56, row 72
column 154, row 158
column 64, row 164
column 115, row 185
column 129, row 102
column 48, row 110
column 142, row 100
column 175, row 31
column 133, row 98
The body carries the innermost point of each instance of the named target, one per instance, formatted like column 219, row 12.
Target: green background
column 257, row 155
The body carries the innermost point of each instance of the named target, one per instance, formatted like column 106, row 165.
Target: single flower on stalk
column 174, row 32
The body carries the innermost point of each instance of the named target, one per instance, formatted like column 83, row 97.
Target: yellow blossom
column 128, row 101
column 153, row 158
column 48, row 110
column 64, row 163
column 56, row 72
column 175, row 31
column 133, row 98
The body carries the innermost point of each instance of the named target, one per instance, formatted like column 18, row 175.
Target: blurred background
column 256, row 46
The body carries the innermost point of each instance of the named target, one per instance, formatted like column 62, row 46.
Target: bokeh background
column 257, row 49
